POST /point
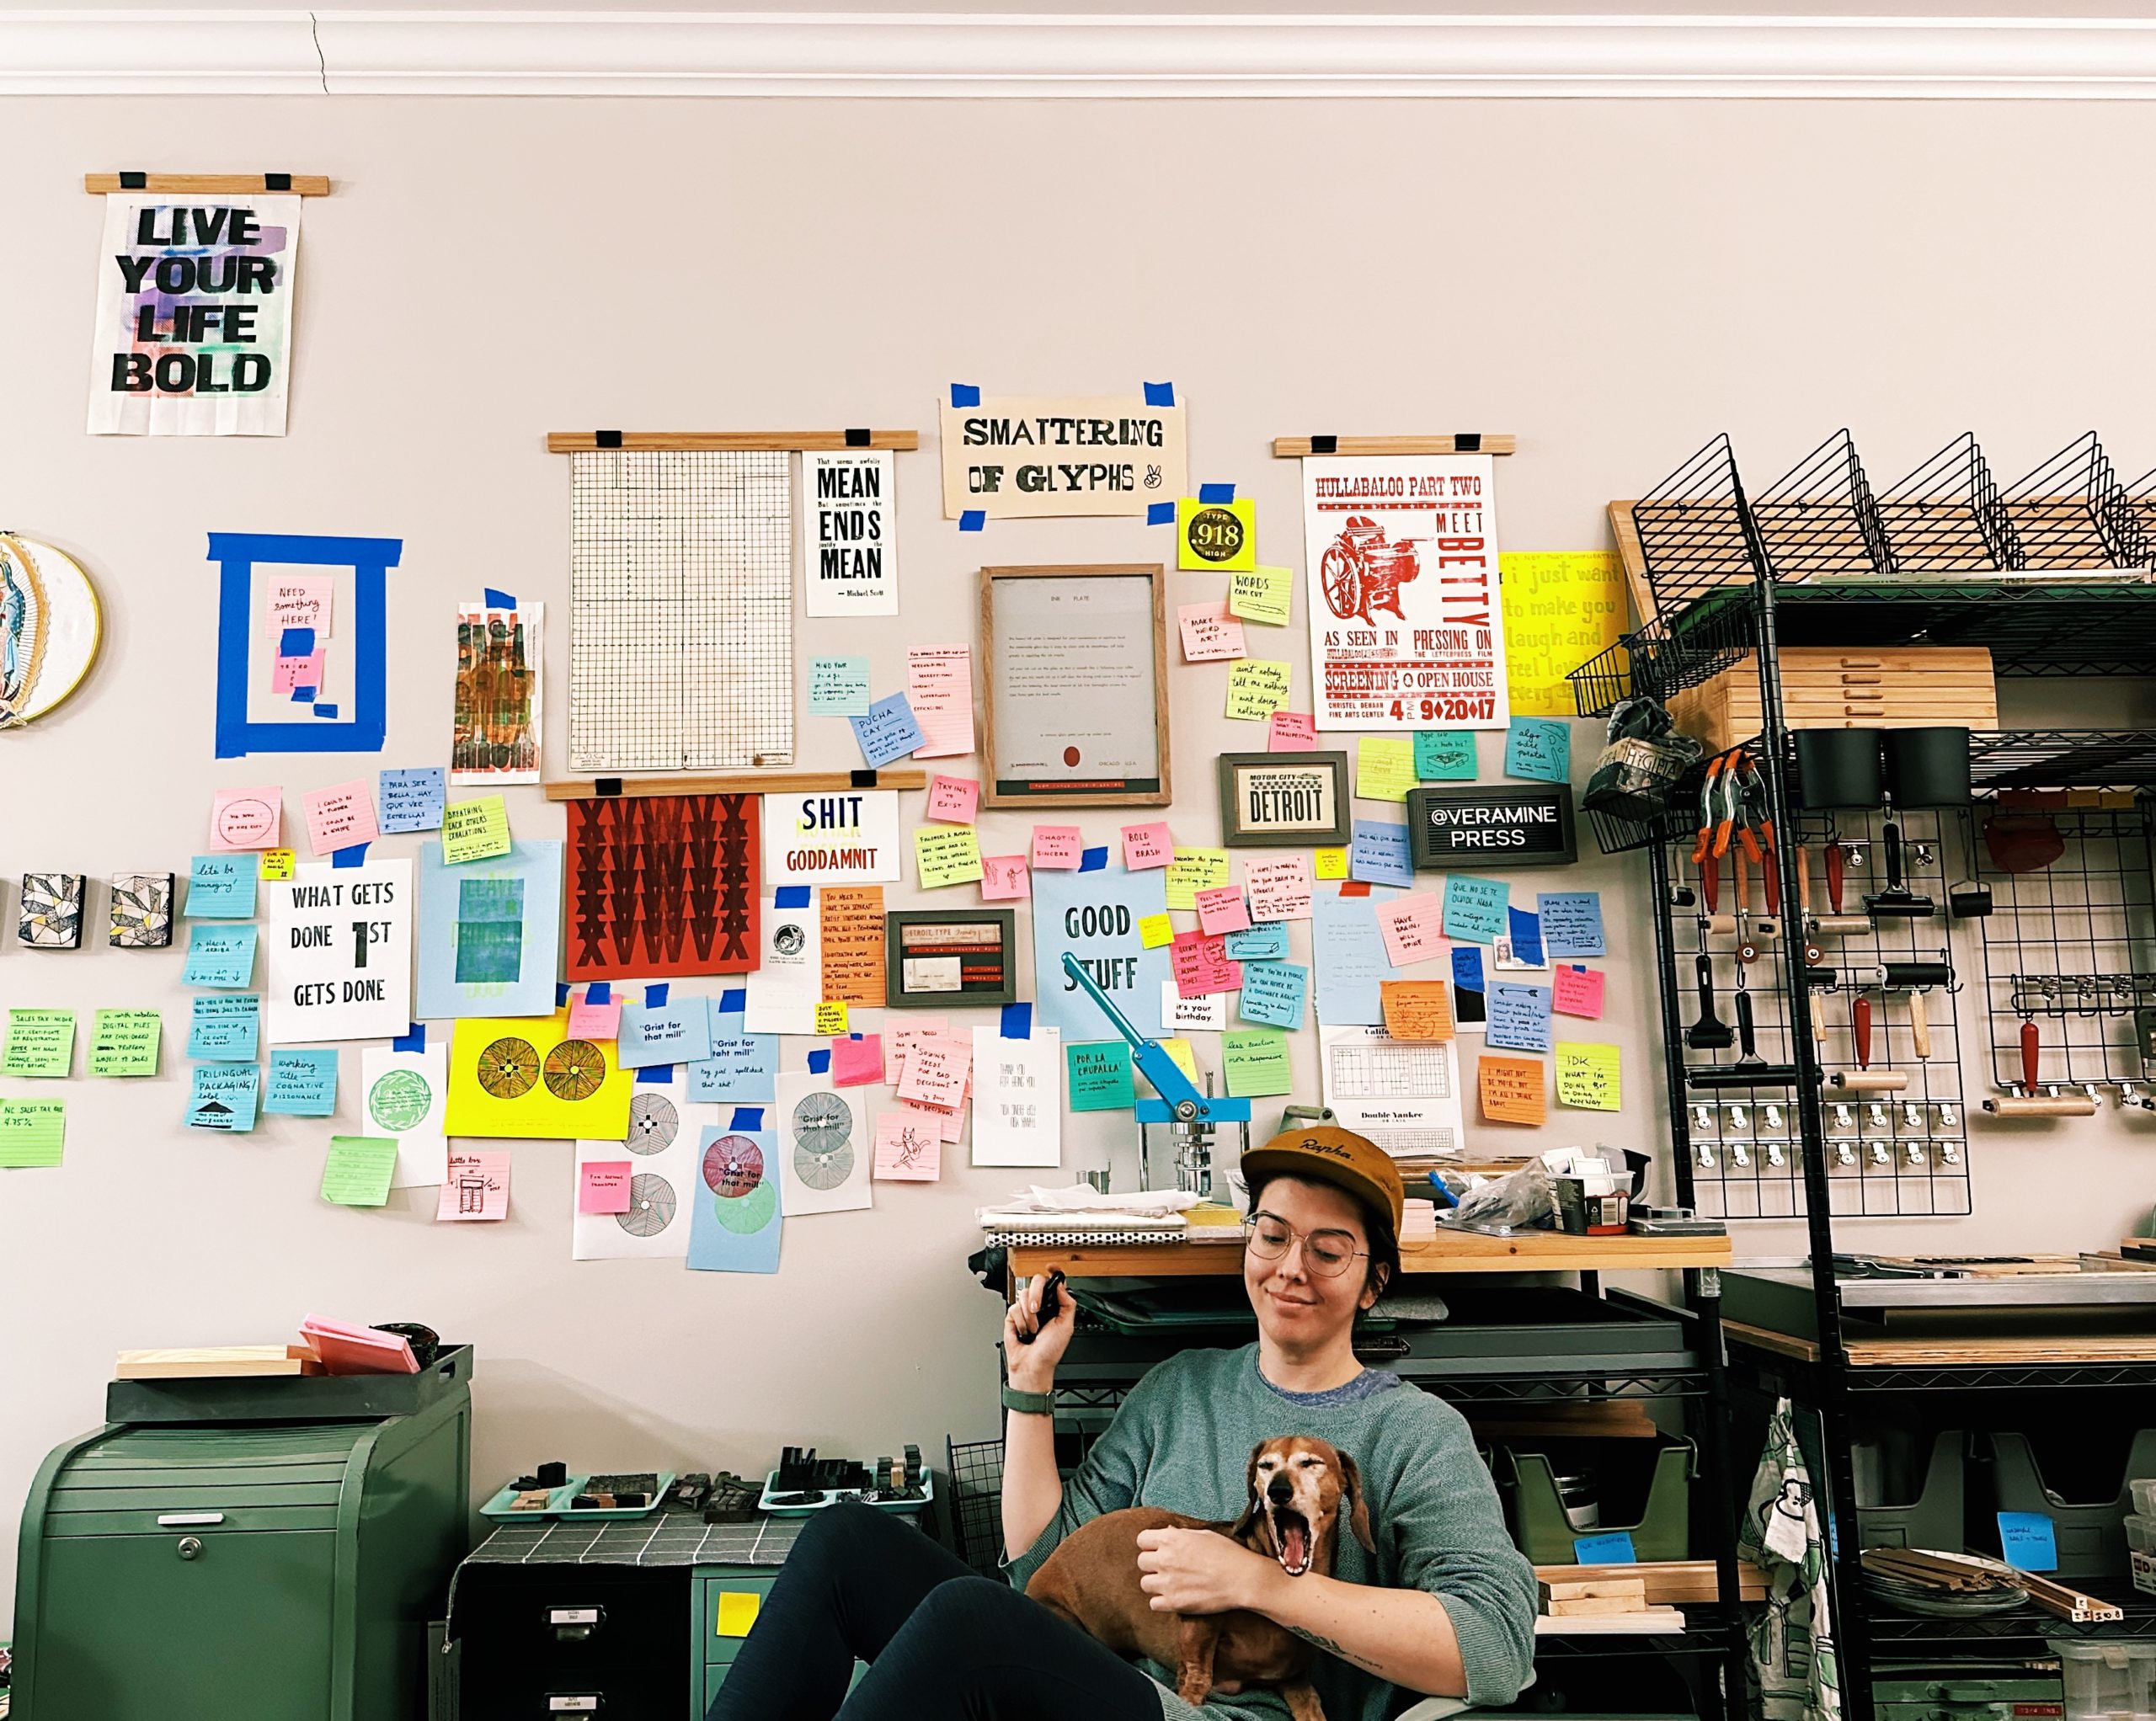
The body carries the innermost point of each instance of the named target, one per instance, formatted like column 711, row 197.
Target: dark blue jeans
column 942, row 1643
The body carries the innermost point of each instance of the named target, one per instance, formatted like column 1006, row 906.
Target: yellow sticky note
column 831, row 1016
column 277, row 863
column 1155, row 931
column 474, row 830
column 1186, row 1060
column 1257, row 687
column 737, row 1611
column 1384, row 767
column 1262, row 595
column 1587, row 1076
column 1194, row 870
column 946, row 854
column 1561, row 608
column 1330, row 863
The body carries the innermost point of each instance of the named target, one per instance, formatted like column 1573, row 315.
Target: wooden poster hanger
column 735, row 441
column 1458, row 442
column 209, row 184
column 740, row 783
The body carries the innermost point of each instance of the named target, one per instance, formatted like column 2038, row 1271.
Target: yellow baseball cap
column 1325, row 1154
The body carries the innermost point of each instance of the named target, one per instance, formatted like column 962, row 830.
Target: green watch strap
column 1028, row 1403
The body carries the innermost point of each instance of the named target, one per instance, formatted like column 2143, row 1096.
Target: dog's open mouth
column 1291, row 1535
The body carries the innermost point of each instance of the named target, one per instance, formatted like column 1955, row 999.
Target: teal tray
column 832, row 1496
column 499, row 1510
column 557, row 1502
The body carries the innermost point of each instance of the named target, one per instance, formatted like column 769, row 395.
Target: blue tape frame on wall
column 370, row 559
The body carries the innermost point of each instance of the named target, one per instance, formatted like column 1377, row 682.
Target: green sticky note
column 474, row 830
column 1255, row 1061
column 41, row 1043
column 838, row 687
column 1099, row 1075
column 357, row 1172
column 32, row 1132
column 124, row 1042
column 1444, row 755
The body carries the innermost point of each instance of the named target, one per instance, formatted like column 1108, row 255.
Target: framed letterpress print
column 964, row 957
column 1284, row 800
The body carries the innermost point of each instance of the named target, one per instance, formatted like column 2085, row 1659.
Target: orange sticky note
column 1417, row 1009
column 605, row 1187
column 1511, row 1089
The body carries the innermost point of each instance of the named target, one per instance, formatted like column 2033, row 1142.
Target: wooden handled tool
column 1920, row 1025
column 1866, row 1080
column 2029, row 1103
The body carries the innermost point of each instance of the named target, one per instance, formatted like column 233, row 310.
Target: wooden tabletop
column 1452, row 1252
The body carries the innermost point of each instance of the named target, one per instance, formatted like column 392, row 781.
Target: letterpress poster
column 853, row 559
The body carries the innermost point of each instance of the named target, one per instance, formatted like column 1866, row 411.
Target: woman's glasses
column 1327, row 1252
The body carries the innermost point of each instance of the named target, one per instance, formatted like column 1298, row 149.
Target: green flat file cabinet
column 283, row 1571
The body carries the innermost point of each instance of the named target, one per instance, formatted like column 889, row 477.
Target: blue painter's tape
column 790, row 896
column 355, row 856
column 561, row 993
column 304, row 695
column 1160, row 394
column 1160, row 514
column 656, row 1075
column 329, row 711
column 819, row 1061
column 1216, row 493
column 1017, row 1021
column 734, row 1000
column 599, row 992
column 1094, row 861
column 499, row 600
column 415, row 1040
column 750, row 1117
column 295, row 643
column 973, row 520
column 965, row 394
column 654, row 996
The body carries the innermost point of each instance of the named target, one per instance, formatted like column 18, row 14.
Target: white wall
column 1614, row 283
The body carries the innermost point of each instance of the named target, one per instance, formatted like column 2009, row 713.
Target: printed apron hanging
column 1792, row 1635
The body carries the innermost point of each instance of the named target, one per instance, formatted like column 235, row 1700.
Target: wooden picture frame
column 1026, row 764
column 1266, row 799
column 947, row 939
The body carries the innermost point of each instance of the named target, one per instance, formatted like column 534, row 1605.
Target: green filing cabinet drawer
column 715, row 1646
column 715, row 1655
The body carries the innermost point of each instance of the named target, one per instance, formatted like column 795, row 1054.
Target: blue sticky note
column 2027, row 1541
column 742, row 1066
column 220, row 955
column 411, row 800
column 226, row 1029
column 1265, row 942
column 302, row 1082
column 1096, row 918
column 965, row 394
column 1571, row 923
column 221, row 887
column 1444, row 755
column 1610, row 1548
column 838, row 687
column 1526, row 933
column 295, row 643
column 888, row 732
column 1379, row 853
column 224, row 1097
column 1538, row 749
column 1350, row 960
column 1160, row 514
column 668, row 1033
column 1475, row 908
column 1519, row 1016
column 1273, row 993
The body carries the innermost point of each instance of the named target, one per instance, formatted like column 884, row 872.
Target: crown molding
column 831, row 54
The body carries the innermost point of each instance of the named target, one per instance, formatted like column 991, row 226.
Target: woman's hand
column 1031, row 1367
column 1199, row 1571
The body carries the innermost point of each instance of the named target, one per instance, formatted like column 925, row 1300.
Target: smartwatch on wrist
column 1028, row 1403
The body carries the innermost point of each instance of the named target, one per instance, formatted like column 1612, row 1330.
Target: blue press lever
column 1180, row 1099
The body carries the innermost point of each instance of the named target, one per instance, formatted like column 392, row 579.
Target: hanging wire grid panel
column 681, row 610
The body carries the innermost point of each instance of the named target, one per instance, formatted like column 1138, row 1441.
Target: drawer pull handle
column 174, row 1520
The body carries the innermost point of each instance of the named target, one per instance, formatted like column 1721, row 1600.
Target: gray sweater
column 1180, row 1441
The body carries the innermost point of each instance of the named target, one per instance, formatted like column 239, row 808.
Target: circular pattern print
column 50, row 627
column 576, row 1070
column 653, row 1123
column 508, row 1068
column 789, row 940
column 399, row 1099
column 823, row 1141
column 651, row 1206
column 750, row 1212
column 734, row 1165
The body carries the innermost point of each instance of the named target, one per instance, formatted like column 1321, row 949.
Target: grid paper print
column 1402, row 1068
column 681, row 610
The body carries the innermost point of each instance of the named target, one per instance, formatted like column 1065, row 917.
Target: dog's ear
column 1358, row 1510
column 1254, row 1512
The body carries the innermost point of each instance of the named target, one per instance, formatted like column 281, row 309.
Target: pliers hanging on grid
column 1706, row 854
column 1758, row 815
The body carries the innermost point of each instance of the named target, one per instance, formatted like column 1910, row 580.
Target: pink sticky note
column 949, row 1120
column 857, row 1060
column 909, row 1148
column 898, row 1040
column 1223, row 910
column 246, row 818
column 604, row 1188
column 1058, row 848
column 1578, row 991
column 1294, row 731
column 1201, row 965
column 297, row 672
column 1280, row 889
column 338, row 817
column 1004, row 878
column 1146, row 846
column 940, row 687
column 952, row 800
column 1413, row 927
column 936, row 1070
column 1210, row 633
column 595, row 1021
column 476, row 1186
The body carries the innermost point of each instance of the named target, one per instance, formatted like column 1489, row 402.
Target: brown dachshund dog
column 1301, row 1489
